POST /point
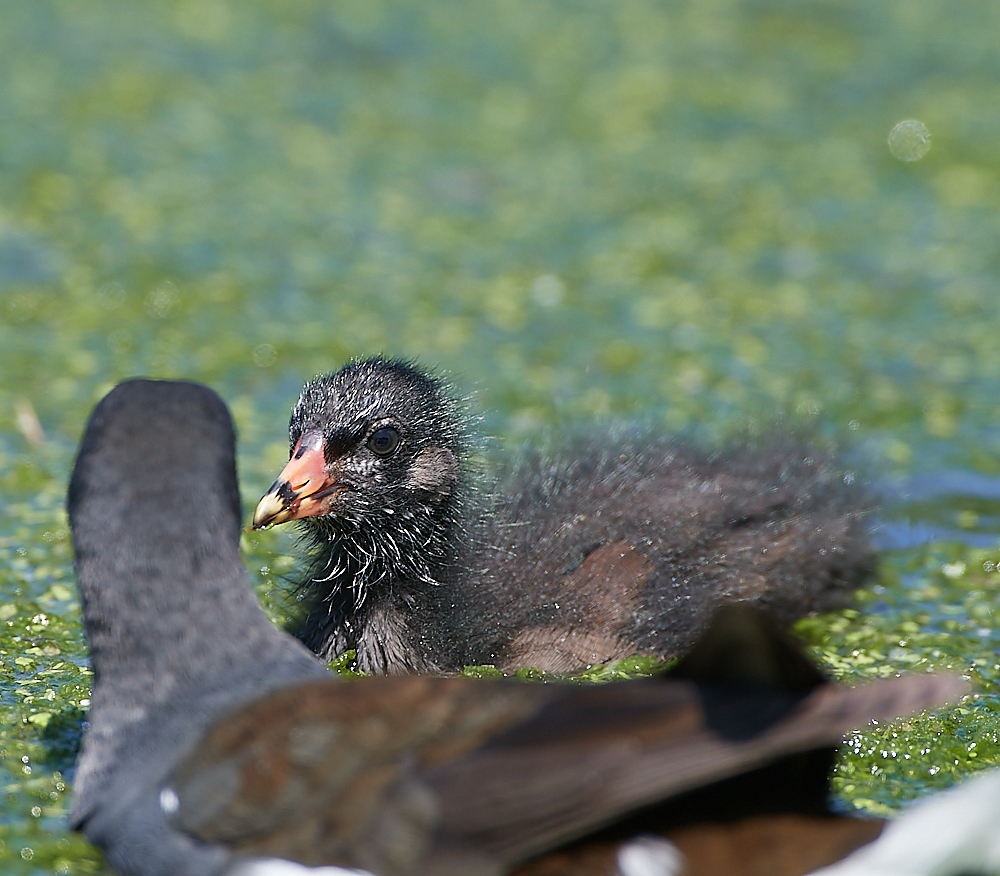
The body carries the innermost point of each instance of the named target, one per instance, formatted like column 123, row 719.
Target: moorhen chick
column 608, row 550
column 219, row 745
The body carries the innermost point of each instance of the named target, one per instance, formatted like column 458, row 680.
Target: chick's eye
column 384, row 441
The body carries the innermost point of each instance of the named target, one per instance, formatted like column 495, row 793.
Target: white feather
column 951, row 833
column 649, row 856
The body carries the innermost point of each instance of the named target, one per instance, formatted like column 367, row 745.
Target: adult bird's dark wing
column 430, row 775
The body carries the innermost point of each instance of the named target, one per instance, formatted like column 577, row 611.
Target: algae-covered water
column 686, row 213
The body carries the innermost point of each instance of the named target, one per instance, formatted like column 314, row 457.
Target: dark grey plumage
column 609, row 549
column 155, row 513
column 396, row 550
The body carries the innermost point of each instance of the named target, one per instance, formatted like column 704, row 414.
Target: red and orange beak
column 303, row 489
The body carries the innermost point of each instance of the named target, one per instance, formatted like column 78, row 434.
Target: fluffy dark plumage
column 218, row 743
column 607, row 550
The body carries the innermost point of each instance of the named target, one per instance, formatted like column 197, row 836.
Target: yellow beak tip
column 270, row 511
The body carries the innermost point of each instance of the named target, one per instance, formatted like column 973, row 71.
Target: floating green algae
column 934, row 609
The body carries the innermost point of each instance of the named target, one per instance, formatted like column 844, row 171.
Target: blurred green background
column 681, row 212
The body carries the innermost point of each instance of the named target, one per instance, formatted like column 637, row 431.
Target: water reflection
column 949, row 506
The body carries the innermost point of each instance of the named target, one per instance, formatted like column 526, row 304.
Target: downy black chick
column 605, row 551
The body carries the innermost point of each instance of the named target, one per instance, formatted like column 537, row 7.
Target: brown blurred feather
column 410, row 776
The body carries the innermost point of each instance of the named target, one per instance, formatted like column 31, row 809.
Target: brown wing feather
column 770, row 845
column 416, row 775
column 566, row 789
